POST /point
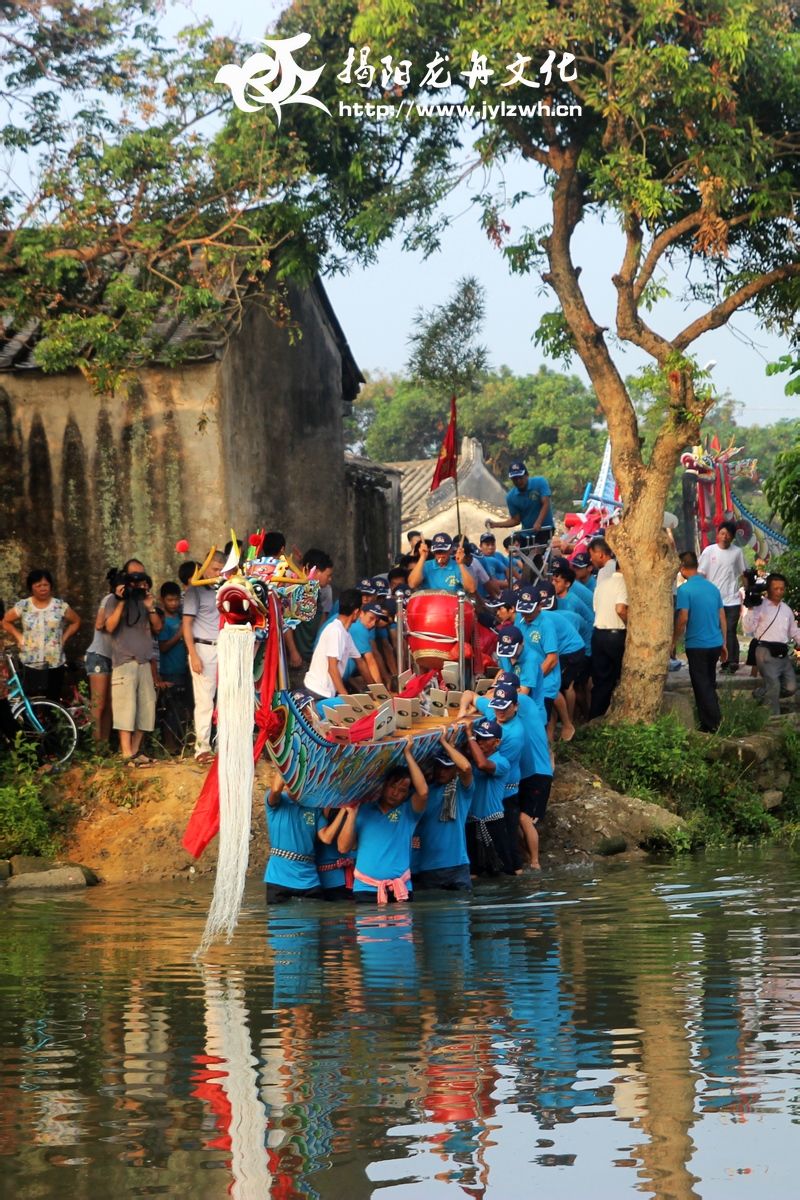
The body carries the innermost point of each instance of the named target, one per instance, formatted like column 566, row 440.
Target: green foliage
column 25, row 824
column 141, row 211
column 790, row 363
column 782, row 489
column 667, row 764
column 741, row 714
column 445, row 358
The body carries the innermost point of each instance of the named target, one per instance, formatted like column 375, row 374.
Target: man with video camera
column 132, row 621
column 772, row 624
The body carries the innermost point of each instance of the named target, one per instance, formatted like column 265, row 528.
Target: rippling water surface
column 633, row 1030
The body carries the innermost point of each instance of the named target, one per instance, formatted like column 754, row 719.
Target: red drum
column 432, row 623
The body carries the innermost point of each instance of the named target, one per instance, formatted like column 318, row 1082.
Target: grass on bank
column 684, row 771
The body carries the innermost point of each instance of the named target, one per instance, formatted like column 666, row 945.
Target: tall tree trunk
column 648, row 562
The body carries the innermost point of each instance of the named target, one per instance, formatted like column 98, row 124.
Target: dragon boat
column 332, row 761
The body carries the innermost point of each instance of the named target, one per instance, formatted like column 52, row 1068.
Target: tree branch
column 722, row 312
column 659, row 245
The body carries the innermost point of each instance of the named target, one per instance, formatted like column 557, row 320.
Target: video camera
column 133, row 582
column 754, row 594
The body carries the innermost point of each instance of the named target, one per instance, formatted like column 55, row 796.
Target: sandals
column 206, row 758
column 139, row 760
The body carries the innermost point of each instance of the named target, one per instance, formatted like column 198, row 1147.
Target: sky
column 377, row 305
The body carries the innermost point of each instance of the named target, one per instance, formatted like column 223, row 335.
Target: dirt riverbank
column 129, row 823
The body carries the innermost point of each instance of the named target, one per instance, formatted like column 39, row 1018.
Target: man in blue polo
column 542, row 639
column 446, row 573
column 700, row 619
column 585, row 578
column 440, row 860
column 529, row 505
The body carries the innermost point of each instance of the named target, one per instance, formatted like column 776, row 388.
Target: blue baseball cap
column 377, row 609
column 367, row 588
column 504, row 696
column 557, row 562
column 506, row 677
column 441, row 543
column 517, row 470
column 486, row 728
column 493, row 602
column 546, row 595
column 527, row 600
column 580, row 560
column 509, row 641
column 381, row 585
column 507, row 598
column 443, row 760
column 489, row 536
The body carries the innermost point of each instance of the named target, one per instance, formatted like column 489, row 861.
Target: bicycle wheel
column 58, row 738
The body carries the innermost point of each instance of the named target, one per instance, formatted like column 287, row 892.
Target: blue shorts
column 97, row 664
column 450, row 879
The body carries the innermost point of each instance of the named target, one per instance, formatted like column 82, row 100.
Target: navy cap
column 517, row 470
column 546, row 595
column 493, row 602
column 508, row 598
column 403, row 590
column 507, row 677
column 527, row 600
column 302, row 699
column 441, row 543
column 488, row 537
column 504, row 696
column 486, row 728
column 381, row 585
column 580, row 561
column 388, row 607
column 558, row 561
column 443, row 760
column 367, row 588
column 373, row 608
column 509, row 641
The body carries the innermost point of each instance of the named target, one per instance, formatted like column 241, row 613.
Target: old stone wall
column 88, row 482
column 255, row 439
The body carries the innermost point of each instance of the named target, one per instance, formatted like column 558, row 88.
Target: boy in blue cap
column 441, row 860
column 487, row 837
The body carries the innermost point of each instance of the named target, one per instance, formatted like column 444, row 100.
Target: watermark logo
column 251, row 83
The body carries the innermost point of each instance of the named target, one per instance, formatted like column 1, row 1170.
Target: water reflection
column 637, row 1031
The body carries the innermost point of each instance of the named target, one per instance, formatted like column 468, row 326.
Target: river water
column 628, row 1030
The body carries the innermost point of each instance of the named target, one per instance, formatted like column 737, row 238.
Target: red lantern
column 181, row 546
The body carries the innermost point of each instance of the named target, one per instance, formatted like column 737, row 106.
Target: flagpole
column 455, row 477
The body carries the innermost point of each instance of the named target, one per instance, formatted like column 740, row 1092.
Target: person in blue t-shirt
column 335, row 869
column 173, row 669
column 700, row 620
column 541, row 637
column 495, row 562
column 585, row 578
column 440, row 859
column 291, row 867
column 447, row 572
column 487, row 837
column 381, row 834
column 529, row 505
column 514, row 655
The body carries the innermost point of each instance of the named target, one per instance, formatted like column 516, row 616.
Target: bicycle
column 43, row 724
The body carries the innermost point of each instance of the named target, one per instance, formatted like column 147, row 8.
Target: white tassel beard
column 235, row 716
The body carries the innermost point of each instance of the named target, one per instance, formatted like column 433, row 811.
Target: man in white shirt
column 773, row 624
column 610, row 622
column 325, row 676
column 723, row 565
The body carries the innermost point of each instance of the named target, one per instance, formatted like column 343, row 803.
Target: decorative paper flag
column 447, row 463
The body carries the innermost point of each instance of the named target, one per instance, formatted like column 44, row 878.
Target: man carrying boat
column 381, row 834
column 440, row 859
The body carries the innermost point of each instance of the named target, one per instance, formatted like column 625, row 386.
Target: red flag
column 447, row 462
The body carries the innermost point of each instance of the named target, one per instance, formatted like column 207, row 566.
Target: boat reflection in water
column 634, row 1032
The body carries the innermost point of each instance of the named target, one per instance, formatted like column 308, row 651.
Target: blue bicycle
column 45, row 725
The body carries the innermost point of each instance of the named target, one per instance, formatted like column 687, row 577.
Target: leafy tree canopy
column 131, row 208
